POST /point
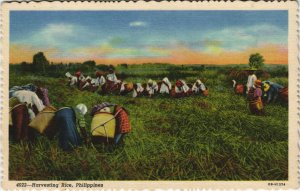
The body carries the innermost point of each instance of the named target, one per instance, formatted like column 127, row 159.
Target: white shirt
column 88, row 78
column 196, row 87
column 123, row 86
column 185, row 88
column 139, row 89
column 165, row 86
column 81, row 78
column 30, row 98
column 100, row 81
column 73, row 81
column 86, row 85
column 151, row 89
column 112, row 77
column 251, row 80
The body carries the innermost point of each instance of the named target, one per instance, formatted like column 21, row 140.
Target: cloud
column 70, row 42
column 106, row 54
column 272, row 53
column 213, row 46
column 116, row 41
column 242, row 38
column 54, row 34
column 138, row 24
column 106, row 50
column 118, row 47
column 60, row 29
column 58, row 35
column 158, row 51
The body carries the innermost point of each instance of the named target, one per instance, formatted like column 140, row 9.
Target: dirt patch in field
column 133, row 102
column 203, row 105
column 62, row 81
column 164, row 105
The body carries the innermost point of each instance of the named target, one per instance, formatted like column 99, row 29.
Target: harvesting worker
column 198, row 87
column 112, row 83
column 100, row 80
column 80, row 77
column 32, row 101
column 255, row 99
column 166, row 86
column 72, row 79
column 181, row 89
column 271, row 90
column 126, row 87
column 151, row 87
column 85, row 83
column 112, row 76
column 138, row 90
column 25, row 105
column 251, row 79
column 72, row 126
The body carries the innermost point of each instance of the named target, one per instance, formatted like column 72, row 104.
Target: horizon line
column 56, row 63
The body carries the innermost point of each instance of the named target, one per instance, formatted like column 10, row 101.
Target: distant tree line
column 41, row 66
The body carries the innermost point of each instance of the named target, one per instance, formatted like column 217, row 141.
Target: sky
column 177, row 37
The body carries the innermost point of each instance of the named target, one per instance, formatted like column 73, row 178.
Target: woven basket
column 43, row 119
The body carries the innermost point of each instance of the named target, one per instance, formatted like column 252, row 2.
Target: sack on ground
column 107, row 127
column 44, row 121
column 103, row 127
column 205, row 93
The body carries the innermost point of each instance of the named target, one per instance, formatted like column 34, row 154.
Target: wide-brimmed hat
column 129, row 86
column 101, row 106
column 68, row 75
column 266, row 87
column 257, row 83
column 150, row 82
column 81, row 108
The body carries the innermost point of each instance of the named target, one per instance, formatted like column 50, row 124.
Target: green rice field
column 192, row 138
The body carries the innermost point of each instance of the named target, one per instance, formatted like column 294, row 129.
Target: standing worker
column 251, row 79
column 255, row 101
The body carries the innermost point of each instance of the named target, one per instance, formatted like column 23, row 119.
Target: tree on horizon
column 40, row 62
column 256, row 61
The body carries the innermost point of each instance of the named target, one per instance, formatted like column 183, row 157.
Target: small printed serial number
column 21, row 185
column 276, row 184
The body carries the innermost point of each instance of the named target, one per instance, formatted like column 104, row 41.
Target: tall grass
column 194, row 138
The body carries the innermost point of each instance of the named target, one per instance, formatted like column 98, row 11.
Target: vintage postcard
column 149, row 95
